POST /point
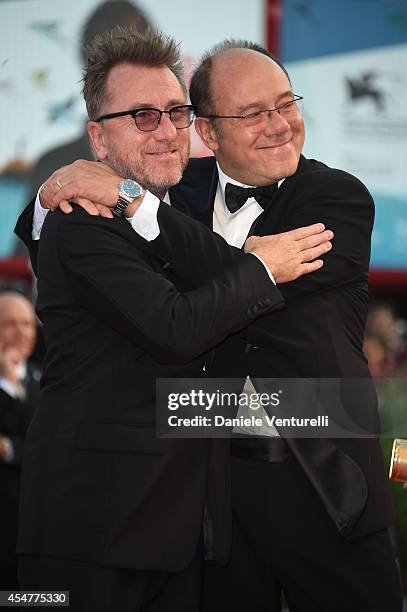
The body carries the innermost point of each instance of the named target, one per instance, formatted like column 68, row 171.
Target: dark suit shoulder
column 80, row 218
column 197, row 168
column 80, row 232
column 319, row 175
column 196, row 191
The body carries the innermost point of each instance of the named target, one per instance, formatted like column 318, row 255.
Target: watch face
column 130, row 188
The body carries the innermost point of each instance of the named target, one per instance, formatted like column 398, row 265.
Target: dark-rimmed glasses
column 288, row 110
column 148, row 119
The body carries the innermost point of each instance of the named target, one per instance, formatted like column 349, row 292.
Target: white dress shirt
column 234, row 227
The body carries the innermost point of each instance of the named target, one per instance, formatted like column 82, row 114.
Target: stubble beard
column 158, row 184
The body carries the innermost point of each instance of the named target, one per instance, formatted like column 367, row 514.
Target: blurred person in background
column 384, row 323
column 310, row 516
column 103, row 18
column 385, row 349
column 19, row 396
column 379, row 357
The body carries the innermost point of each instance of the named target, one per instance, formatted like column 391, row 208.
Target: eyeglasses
column 148, row 119
column 288, row 110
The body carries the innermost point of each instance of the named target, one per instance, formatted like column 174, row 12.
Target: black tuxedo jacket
column 319, row 334
column 97, row 484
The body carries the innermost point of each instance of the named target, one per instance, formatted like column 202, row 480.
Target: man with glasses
column 310, row 516
column 109, row 511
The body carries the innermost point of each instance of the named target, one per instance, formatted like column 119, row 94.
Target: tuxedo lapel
column 276, row 210
column 338, row 480
column 266, row 215
column 207, row 216
column 195, row 194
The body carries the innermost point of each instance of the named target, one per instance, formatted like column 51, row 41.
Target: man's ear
column 207, row 133
column 95, row 131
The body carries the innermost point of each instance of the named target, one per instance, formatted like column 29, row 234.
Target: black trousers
column 284, row 541
column 98, row 588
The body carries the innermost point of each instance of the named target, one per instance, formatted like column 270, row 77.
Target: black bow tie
column 236, row 196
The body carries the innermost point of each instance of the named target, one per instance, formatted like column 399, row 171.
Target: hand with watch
column 129, row 192
column 95, row 186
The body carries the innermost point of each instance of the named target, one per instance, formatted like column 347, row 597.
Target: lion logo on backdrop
column 365, row 87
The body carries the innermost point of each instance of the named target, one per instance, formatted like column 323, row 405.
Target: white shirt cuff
column 39, row 217
column 267, row 270
column 144, row 221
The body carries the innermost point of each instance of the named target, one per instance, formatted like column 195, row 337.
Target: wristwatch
column 129, row 190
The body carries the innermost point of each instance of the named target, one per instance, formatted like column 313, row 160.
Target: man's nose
column 19, row 331
column 166, row 129
column 275, row 123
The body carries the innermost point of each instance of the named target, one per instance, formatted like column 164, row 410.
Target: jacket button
column 267, row 302
column 249, row 347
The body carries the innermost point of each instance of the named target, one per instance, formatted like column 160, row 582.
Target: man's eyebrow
column 286, row 94
column 260, row 106
column 242, row 110
column 170, row 104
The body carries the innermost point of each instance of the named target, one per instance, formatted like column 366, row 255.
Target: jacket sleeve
column 194, row 251
column 346, row 207
column 23, row 230
column 115, row 281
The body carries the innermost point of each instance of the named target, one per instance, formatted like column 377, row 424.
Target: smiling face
column 154, row 159
column 17, row 325
column 242, row 82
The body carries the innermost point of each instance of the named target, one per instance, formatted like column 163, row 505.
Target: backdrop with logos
column 348, row 59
